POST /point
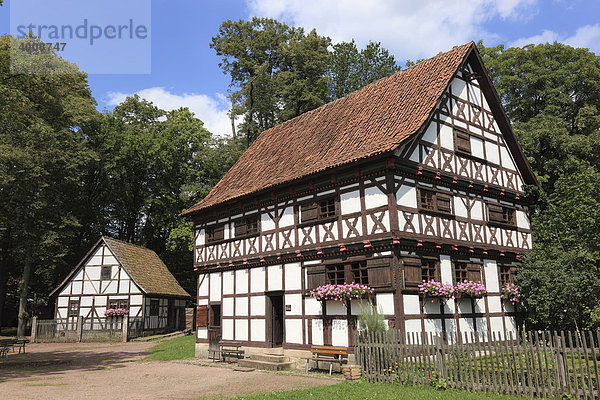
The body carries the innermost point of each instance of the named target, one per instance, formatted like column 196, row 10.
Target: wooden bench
column 330, row 354
column 6, row 344
column 228, row 349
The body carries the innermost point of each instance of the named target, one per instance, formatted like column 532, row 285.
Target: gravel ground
column 115, row 371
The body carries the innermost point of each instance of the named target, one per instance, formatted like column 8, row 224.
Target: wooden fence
column 537, row 364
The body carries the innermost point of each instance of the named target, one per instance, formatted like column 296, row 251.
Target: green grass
column 363, row 390
column 178, row 348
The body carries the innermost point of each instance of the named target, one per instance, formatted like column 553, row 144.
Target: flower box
column 510, row 292
column 469, row 289
column 343, row 293
column 436, row 290
column 115, row 312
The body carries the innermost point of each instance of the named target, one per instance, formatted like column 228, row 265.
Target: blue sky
column 185, row 71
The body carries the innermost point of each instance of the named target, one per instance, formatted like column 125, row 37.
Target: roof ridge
column 127, row 243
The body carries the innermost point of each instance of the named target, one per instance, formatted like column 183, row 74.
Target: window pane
column 335, row 274
column 360, row 273
column 427, row 199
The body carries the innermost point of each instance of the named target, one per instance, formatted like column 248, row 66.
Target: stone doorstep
column 274, row 358
column 266, row 365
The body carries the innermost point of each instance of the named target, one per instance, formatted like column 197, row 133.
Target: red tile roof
column 372, row 120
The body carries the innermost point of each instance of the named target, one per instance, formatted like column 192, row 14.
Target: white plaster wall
column 241, row 306
column 507, row 161
column 109, row 259
column 523, row 220
column 93, row 273
column 350, row 202
column 466, row 328
column 200, row 238
column 215, row 286
column 494, row 304
column 464, row 306
column 490, row 269
column 202, row 333
column 385, row 301
column 227, row 282
column 287, row 219
column 282, row 241
column 266, row 223
column 228, row 306
column 203, row 289
column 96, row 257
column 241, row 281
column 257, row 305
column 374, row 198
column 497, row 327
column 433, row 327
column 459, row 88
column 492, row 151
column 407, row 196
column 63, row 301
column 355, row 306
column 241, row 329
column 78, row 275
column 312, row 306
column 430, row 135
column 293, row 276
column 257, row 280
column 295, row 301
column 317, row 332
column 477, row 210
column 477, row 147
column 275, row 277
column 413, row 325
column 293, row 331
column 227, row 329
column 257, row 330
column 411, row 304
column 446, row 269
column 89, row 287
column 76, row 285
column 335, row 308
column 86, row 301
column 339, row 332
column 203, row 302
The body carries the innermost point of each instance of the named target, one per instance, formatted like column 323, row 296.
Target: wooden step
column 274, row 358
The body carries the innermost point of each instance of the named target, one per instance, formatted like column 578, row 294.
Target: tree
column 45, row 101
column 350, row 69
column 551, row 93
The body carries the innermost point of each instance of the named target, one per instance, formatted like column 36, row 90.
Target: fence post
column 33, row 329
column 440, row 357
column 125, row 327
column 79, row 328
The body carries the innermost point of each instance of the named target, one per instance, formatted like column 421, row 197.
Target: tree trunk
column 23, row 297
column 232, row 119
column 4, row 244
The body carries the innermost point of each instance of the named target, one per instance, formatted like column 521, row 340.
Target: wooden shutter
column 309, row 212
column 241, row 228
column 202, row 316
column 443, row 202
column 380, row 273
column 412, row 272
column 495, row 213
column 315, row 276
column 462, row 141
column 474, row 272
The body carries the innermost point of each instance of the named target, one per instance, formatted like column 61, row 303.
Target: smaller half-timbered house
column 116, row 274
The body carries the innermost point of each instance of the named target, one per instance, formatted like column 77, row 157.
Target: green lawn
column 177, row 348
column 363, row 390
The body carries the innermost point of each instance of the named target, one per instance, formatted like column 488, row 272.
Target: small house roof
column 143, row 266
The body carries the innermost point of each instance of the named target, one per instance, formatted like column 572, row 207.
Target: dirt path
column 114, row 371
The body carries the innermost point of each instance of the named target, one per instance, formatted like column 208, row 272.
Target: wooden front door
column 276, row 319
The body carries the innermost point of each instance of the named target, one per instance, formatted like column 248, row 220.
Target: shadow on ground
column 56, row 362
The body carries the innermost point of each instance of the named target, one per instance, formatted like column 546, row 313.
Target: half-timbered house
column 116, row 274
column 418, row 176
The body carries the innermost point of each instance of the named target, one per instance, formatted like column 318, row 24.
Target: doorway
column 276, row 319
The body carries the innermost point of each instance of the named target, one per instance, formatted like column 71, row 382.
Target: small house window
column 215, row 234
column 336, row 274
column 462, row 141
column 430, row 200
column 501, row 215
column 118, row 304
column 73, row 308
column 506, row 274
column 106, row 271
column 429, row 270
column 318, row 211
column 460, row 271
column 154, row 307
column 246, row 227
column 360, row 273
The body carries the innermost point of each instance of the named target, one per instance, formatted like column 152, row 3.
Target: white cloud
column 587, row 36
column 211, row 110
column 408, row 28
